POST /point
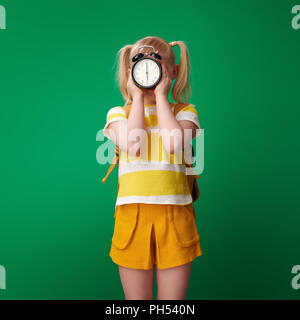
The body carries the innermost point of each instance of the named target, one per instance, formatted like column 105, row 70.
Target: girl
column 154, row 212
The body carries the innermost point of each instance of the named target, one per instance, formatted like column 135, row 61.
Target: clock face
column 146, row 73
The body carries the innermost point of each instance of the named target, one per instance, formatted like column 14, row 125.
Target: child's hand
column 164, row 85
column 132, row 88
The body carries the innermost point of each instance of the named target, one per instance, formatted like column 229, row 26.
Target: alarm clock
column 146, row 71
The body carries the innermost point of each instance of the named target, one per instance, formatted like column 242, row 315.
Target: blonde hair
column 181, row 86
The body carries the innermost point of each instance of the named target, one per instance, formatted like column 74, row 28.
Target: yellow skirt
column 148, row 234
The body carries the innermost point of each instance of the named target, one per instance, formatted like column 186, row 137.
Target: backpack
column 192, row 178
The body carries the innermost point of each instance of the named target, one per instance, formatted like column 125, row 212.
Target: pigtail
column 182, row 85
column 122, row 74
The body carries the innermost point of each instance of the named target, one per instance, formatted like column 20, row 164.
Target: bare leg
column 137, row 283
column 172, row 283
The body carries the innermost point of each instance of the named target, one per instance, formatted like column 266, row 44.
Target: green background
column 57, row 69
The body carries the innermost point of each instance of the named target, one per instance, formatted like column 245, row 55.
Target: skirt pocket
column 184, row 223
column 125, row 224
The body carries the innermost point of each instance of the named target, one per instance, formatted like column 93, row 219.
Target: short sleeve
column 114, row 114
column 189, row 113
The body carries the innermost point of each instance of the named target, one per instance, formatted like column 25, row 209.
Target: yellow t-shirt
column 156, row 176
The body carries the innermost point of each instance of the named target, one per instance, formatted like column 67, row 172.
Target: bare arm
column 122, row 129
column 127, row 134
column 167, row 123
